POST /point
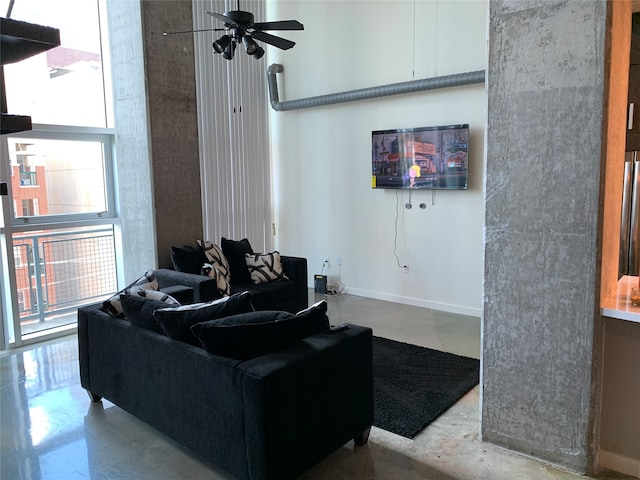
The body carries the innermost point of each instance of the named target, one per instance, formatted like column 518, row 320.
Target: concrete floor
column 50, row 430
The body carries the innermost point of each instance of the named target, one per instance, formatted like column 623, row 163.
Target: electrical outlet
column 338, row 260
column 405, row 268
column 326, row 261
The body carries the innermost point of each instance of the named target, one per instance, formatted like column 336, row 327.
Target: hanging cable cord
column 395, row 238
column 413, row 76
column 413, row 67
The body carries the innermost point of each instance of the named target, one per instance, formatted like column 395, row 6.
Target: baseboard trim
column 619, row 463
column 416, row 302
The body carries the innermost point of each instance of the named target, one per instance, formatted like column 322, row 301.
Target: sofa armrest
column 204, row 288
column 296, row 269
column 321, row 388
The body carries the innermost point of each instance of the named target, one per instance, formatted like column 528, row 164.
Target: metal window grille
column 57, row 272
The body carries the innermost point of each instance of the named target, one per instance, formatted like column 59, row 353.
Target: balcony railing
column 56, row 272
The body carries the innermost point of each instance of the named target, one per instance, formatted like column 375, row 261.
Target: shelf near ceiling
column 18, row 41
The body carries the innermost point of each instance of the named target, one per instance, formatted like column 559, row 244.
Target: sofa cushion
column 265, row 267
column 262, row 316
column 234, row 251
column 112, row 305
column 265, row 294
column 139, row 311
column 247, row 336
column 176, row 322
column 182, row 293
column 188, row 259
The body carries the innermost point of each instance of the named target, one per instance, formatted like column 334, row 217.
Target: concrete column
column 173, row 124
column 158, row 166
column 133, row 154
column 546, row 90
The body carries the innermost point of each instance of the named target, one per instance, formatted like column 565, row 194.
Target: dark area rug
column 415, row 385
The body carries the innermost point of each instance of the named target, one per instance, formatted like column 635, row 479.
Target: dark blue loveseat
column 268, row 418
column 289, row 295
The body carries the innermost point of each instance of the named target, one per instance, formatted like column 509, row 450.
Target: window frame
column 106, row 137
column 11, row 335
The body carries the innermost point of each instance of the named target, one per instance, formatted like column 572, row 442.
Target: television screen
column 421, row 158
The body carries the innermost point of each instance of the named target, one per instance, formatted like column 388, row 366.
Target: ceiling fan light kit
column 250, row 45
column 229, row 51
column 240, row 27
column 258, row 53
column 222, row 43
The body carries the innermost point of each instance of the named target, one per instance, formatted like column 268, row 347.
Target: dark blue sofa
column 268, row 418
column 288, row 295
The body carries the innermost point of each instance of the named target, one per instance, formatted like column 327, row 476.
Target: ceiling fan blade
column 281, row 25
column 194, row 31
column 279, row 42
column 224, row 19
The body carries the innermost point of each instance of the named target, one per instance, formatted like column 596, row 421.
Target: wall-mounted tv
column 421, row 158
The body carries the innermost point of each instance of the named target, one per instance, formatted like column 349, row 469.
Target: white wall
column 324, row 203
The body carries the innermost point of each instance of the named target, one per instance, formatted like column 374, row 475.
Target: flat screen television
column 423, row 158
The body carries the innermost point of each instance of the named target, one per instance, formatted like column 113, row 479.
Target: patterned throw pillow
column 216, row 257
column 113, row 307
column 265, row 267
column 153, row 295
column 222, row 281
column 218, row 266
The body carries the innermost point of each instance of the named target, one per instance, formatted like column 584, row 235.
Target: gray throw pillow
column 176, row 322
column 139, row 311
column 251, row 335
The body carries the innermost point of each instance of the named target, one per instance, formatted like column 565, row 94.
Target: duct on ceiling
column 433, row 83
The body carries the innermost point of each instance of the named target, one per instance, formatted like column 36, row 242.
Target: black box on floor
column 320, row 283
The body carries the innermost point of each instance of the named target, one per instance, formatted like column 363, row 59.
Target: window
column 58, row 175
column 27, row 207
column 65, row 85
column 58, row 232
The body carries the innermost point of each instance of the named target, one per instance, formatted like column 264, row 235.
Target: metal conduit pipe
column 445, row 81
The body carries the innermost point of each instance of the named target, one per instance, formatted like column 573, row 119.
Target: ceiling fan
column 240, row 27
